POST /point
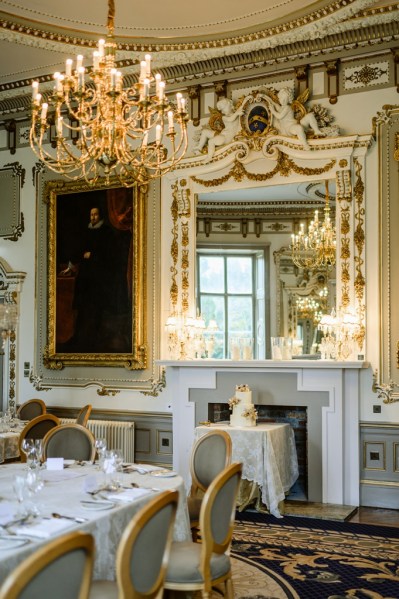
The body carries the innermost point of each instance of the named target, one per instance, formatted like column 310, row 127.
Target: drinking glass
column 21, row 490
column 101, row 446
column 27, row 446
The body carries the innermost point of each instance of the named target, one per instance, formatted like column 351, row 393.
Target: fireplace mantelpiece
column 339, row 416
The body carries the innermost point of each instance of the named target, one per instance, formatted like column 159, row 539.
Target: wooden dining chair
column 200, row 566
column 210, row 455
column 143, row 552
column 62, row 569
column 69, row 441
column 37, row 429
column 84, row 415
column 31, row 409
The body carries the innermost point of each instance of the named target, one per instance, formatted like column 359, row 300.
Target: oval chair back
column 210, row 455
column 37, row 429
column 201, row 566
column 84, row 415
column 62, row 568
column 69, row 441
column 31, row 409
column 143, row 552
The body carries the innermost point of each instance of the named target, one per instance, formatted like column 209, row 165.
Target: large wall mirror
column 248, row 287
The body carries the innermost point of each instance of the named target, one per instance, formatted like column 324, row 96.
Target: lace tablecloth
column 268, row 455
column 106, row 526
column 8, row 446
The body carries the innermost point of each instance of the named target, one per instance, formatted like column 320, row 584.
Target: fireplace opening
column 296, row 416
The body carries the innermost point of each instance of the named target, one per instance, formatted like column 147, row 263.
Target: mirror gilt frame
column 275, row 160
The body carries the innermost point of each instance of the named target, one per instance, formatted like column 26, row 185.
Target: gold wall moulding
column 96, row 309
column 284, row 167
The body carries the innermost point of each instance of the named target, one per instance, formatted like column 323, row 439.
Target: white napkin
column 43, row 529
column 128, row 495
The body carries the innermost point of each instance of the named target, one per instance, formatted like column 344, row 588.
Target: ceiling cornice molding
column 15, row 98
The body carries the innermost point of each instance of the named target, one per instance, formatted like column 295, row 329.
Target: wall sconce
column 185, row 336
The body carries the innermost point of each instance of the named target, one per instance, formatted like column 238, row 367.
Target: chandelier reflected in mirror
column 91, row 126
column 317, row 247
column 8, row 321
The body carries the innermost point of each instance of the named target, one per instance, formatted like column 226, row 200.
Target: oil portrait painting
column 96, row 274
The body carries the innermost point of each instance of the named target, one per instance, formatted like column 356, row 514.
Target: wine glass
column 27, row 446
column 101, row 446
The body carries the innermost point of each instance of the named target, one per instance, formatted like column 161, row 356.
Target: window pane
column 212, row 308
column 240, row 316
column 211, row 275
column 239, row 274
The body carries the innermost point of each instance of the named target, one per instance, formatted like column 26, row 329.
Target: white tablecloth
column 106, row 526
column 268, row 455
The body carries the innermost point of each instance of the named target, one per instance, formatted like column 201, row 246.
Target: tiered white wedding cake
column 243, row 410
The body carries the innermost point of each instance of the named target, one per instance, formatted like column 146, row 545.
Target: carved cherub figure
column 231, row 126
column 287, row 123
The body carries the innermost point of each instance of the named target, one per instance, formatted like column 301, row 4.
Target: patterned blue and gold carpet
column 305, row 558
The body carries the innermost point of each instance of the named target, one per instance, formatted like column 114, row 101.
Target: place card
column 55, row 463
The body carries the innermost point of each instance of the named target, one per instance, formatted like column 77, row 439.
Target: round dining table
column 104, row 514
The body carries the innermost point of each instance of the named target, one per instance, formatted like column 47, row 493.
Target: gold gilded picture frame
column 96, row 308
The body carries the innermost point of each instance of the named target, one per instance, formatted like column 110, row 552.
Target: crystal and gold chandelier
column 90, row 126
column 318, row 246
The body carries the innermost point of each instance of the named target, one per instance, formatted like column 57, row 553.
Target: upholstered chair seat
column 185, row 563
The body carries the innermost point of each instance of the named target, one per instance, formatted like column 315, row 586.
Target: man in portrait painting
column 98, row 267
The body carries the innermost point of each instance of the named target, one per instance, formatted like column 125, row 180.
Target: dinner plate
column 69, row 463
column 97, row 505
column 163, row 473
column 9, row 542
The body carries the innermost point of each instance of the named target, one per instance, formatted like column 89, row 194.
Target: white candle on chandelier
column 44, row 111
column 145, row 139
column 81, row 77
column 96, row 60
column 146, row 88
column 157, row 82
column 68, row 67
column 183, row 104
column 148, row 65
column 178, row 100
column 101, row 44
column 79, row 62
column 143, row 70
column 38, row 99
column 158, row 134
column 35, row 89
column 170, row 121
column 56, row 77
column 161, row 90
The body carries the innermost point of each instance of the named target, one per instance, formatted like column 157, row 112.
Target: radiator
column 118, row 434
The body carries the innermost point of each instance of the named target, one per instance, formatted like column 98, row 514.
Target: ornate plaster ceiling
column 36, row 36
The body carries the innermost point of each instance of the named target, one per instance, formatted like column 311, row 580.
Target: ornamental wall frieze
column 284, row 167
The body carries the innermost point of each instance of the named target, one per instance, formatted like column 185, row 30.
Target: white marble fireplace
column 330, row 391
